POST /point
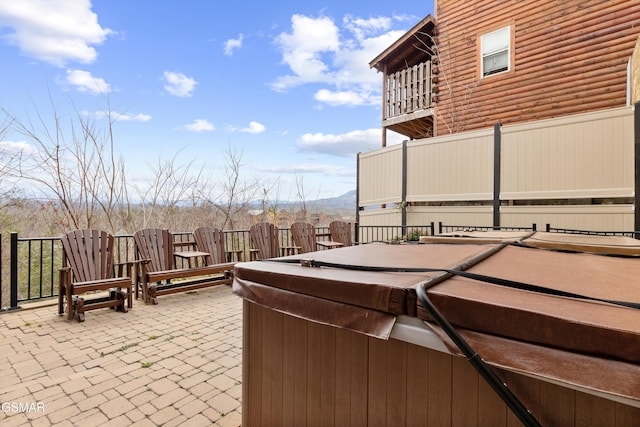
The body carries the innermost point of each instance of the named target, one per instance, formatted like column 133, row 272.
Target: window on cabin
column 495, row 49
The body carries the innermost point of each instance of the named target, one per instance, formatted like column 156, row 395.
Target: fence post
column 497, row 141
column 636, row 138
column 357, row 225
column 404, row 188
column 13, row 272
column 1, row 264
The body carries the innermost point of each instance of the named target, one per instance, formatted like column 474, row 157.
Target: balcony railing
column 408, row 91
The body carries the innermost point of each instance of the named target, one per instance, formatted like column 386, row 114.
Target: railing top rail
column 592, row 232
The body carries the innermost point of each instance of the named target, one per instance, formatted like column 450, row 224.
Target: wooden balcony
column 407, row 101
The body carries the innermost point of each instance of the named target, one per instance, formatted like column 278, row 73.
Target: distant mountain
column 344, row 204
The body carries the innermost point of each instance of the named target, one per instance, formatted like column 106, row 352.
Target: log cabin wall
column 567, row 57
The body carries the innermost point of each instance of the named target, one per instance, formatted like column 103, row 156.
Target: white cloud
column 302, row 50
column 54, row 31
column 330, row 170
column 254, row 127
column 317, row 51
column 179, row 84
column 83, row 81
column 200, row 125
column 349, row 98
column 120, row 117
column 363, row 27
column 126, row 117
column 232, row 44
column 346, row 144
column 17, row 147
column 343, row 145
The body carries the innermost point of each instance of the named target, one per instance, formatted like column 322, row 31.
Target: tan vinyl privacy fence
column 571, row 172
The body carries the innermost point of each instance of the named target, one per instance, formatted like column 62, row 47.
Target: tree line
column 69, row 175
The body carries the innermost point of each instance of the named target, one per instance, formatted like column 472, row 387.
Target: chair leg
column 61, row 291
column 117, row 294
column 121, row 299
column 78, row 309
column 113, row 297
column 70, row 302
column 144, row 285
column 151, row 295
column 130, row 297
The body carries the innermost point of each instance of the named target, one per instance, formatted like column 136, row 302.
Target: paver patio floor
column 175, row 363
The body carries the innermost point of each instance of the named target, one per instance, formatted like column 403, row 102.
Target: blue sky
column 286, row 83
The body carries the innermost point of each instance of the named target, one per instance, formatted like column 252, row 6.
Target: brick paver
column 176, row 363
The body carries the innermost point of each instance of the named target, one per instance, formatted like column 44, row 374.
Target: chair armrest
column 64, row 275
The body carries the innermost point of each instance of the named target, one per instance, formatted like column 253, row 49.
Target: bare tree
column 237, row 191
column 76, row 165
column 302, row 196
column 9, row 156
column 453, row 117
column 172, row 186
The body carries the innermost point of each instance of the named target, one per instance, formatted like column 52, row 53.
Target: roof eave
column 379, row 60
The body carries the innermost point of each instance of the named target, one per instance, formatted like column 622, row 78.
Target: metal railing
column 448, row 228
column 633, row 234
column 33, row 262
column 389, row 233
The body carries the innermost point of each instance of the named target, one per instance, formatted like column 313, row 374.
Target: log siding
column 568, row 57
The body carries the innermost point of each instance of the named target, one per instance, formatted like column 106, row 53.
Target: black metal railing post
column 1, row 281
column 403, row 196
column 497, row 154
column 13, row 272
column 636, row 145
column 357, row 223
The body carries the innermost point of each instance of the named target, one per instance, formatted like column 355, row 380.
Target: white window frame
column 483, row 54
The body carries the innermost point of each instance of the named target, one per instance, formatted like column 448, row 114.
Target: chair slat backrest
column 89, row 253
column 304, row 236
column 341, row 232
column 156, row 245
column 265, row 239
column 211, row 240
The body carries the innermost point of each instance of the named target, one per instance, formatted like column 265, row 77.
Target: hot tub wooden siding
column 298, row 373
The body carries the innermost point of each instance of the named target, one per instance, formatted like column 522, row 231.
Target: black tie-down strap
column 474, row 276
column 499, row 386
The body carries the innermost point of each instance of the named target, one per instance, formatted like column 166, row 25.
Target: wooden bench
column 158, row 275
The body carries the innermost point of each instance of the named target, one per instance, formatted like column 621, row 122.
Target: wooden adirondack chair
column 157, row 265
column 210, row 240
column 88, row 266
column 304, row 236
column 265, row 240
column 341, row 232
